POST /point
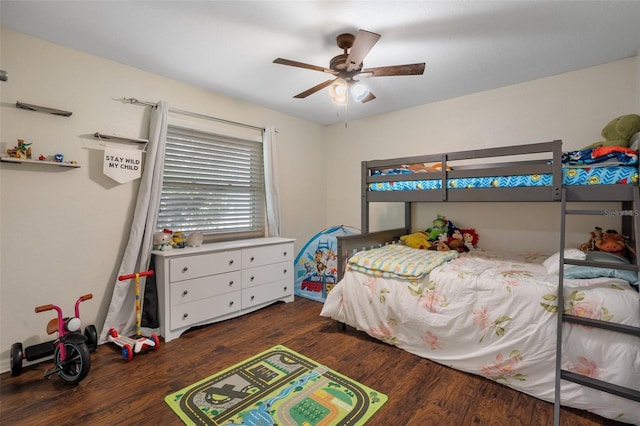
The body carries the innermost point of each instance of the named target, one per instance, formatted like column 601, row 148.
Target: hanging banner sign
column 122, row 165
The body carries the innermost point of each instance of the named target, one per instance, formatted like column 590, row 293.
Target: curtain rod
column 193, row 114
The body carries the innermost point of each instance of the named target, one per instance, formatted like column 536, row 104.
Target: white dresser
column 218, row 281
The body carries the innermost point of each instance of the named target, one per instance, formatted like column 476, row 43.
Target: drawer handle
column 230, row 283
column 185, row 269
column 285, row 272
column 231, row 303
column 231, row 262
column 184, row 316
column 285, row 288
column 184, row 293
column 252, row 278
column 252, row 258
column 253, row 297
column 284, row 254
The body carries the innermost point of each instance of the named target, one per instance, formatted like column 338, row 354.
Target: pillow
column 603, row 256
column 591, row 272
column 552, row 264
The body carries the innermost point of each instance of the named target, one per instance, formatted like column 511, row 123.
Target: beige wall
column 573, row 107
column 63, row 231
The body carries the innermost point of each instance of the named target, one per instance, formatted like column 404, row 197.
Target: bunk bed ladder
column 630, row 214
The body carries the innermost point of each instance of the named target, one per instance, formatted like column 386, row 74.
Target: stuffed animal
column 470, row 237
column 419, row 240
column 456, row 244
column 442, row 246
column 439, row 227
column 195, row 239
column 611, row 242
column 596, row 235
column 424, row 167
column 163, row 240
column 619, row 131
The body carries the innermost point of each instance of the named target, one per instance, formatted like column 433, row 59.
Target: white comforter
column 495, row 315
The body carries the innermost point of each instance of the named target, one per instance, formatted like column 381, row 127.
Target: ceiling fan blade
column 302, row 65
column 314, row 89
column 409, row 69
column 368, row 98
column 363, row 43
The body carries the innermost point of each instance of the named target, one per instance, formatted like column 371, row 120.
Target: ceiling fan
column 348, row 65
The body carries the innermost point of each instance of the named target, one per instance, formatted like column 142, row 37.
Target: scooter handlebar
column 129, row 276
column 86, row 297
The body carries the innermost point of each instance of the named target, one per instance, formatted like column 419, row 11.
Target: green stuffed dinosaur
column 618, row 132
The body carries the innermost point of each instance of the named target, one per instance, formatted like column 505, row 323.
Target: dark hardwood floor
column 420, row 392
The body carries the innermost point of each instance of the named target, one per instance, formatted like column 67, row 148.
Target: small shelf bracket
column 102, row 136
column 113, row 138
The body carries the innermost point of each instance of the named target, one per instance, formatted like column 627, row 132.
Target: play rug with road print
column 276, row 387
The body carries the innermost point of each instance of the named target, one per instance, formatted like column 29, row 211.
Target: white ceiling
column 228, row 46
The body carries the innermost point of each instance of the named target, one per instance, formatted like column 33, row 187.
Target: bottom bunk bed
column 494, row 315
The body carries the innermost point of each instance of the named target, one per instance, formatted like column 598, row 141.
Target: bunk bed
column 496, row 314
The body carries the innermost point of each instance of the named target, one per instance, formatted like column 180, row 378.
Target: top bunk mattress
column 592, row 166
column 572, row 176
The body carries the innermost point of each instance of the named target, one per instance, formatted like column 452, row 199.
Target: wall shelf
column 31, row 107
column 5, row 159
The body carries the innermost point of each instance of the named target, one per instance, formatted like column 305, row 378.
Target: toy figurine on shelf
column 22, row 150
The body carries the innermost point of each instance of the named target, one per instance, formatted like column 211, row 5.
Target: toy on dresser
column 163, row 240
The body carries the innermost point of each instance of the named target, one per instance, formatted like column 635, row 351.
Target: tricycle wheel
column 16, row 359
column 127, row 352
column 156, row 341
column 92, row 337
column 76, row 364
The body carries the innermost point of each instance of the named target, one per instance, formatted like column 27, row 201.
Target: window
column 214, row 184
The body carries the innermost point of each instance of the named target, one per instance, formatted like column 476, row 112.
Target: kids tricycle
column 70, row 350
column 131, row 345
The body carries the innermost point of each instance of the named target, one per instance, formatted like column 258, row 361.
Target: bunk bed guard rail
column 481, row 163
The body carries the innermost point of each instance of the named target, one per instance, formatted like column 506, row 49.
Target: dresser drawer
column 185, row 268
column 265, row 274
column 204, row 287
column 188, row 314
column 265, row 293
column 258, row 256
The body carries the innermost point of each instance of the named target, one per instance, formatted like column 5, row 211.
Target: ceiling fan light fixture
column 338, row 91
column 358, row 90
column 348, row 65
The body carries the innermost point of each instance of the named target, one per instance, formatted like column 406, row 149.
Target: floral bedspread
column 495, row 315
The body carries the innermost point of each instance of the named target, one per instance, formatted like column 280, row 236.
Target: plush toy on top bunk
column 621, row 131
column 619, row 147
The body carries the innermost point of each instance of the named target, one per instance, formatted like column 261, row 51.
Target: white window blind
column 213, row 184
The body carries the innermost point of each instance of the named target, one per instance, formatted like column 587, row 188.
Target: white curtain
column 137, row 255
column 271, row 181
